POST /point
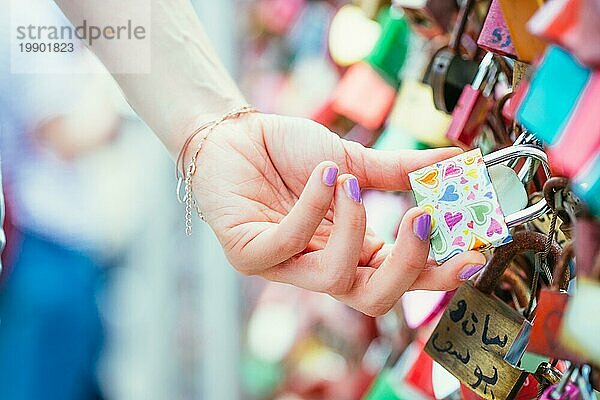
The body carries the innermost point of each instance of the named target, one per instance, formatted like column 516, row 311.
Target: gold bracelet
column 184, row 175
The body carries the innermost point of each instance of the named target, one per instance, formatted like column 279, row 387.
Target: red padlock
column 474, row 104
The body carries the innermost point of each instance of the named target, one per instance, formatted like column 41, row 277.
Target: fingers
column 340, row 257
column 281, row 241
column 452, row 273
column 388, row 170
column 333, row 269
column 375, row 291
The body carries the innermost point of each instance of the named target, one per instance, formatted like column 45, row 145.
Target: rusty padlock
column 477, row 329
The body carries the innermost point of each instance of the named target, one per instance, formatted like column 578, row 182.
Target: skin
column 259, row 180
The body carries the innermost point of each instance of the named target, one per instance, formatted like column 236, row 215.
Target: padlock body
column 389, row 53
column 495, row 36
column 568, row 155
column 472, row 338
column 466, row 213
column 468, row 117
column 586, row 186
column 549, row 314
column 363, row 96
column 516, row 15
column 553, row 94
column 570, row 392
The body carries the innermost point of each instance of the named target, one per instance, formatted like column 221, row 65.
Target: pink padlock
column 494, row 35
column 562, row 391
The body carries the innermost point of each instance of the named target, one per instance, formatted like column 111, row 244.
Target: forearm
column 186, row 83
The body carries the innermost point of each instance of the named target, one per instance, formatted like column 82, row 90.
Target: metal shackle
column 522, row 241
column 511, row 153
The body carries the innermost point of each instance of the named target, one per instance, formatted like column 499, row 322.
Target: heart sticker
column 458, row 241
column 452, row 170
column 452, row 219
column 480, row 211
column 430, row 179
column 450, row 194
column 473, row 173
column 494, row 228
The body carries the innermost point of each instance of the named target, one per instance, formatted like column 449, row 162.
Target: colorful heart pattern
column 459, row 195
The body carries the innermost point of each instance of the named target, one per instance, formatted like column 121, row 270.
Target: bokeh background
column 104, row 297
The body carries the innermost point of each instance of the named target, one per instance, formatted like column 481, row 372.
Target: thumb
column 388, row 169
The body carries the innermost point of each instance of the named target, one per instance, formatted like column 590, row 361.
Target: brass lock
column 477, row 329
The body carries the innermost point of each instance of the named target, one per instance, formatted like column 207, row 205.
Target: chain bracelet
column 184, row 177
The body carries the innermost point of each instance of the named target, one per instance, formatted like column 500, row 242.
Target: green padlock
column 389, row 53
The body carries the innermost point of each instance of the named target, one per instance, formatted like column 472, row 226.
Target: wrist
column 210, row 109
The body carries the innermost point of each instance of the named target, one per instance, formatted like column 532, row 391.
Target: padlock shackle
column 461, row 23
column 499, row 261
column 513, row 152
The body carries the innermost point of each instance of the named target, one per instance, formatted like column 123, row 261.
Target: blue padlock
column 553, row 93
column 586, row 186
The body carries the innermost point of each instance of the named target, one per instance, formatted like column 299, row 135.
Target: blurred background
column 103, row 296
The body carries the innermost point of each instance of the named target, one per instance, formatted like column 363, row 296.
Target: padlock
column 567, row 155
column 429, row 18
column 587, row 244
column 581, row 323
column 366, row 92
column 572, row 24
column 414, row 104
column 569, row 391
column 473, row 106
column 464, row 204
column 516, row 14
column 553, row 93
column 586, row 185
column 528, row 391
column 494, row 35
column 352, row 35
column 389, row 53
column 549, row 312
column 448, row 72
column 477, row 329
column 363, row 96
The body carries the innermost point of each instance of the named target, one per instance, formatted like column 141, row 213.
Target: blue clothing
column 50, row 334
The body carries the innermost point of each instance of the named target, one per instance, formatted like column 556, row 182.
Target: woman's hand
column 283, row 196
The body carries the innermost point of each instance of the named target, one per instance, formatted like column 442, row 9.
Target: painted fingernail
column 352, row 189
column 330, row 175
column 422, row 226
column 469, row 271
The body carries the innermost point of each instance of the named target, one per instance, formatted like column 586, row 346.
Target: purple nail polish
column 422, row 226
column 469, row 271
column 352, row 189
column 330, row 175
